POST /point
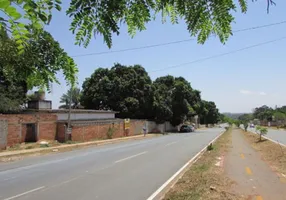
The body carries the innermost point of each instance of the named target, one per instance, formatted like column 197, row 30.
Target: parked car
column 252, row 126
column 187, row 129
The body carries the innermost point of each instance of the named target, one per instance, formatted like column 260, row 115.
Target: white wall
column 85, row 116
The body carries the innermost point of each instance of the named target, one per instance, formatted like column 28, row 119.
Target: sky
column 236, row 82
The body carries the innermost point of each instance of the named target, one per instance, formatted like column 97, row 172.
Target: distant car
column 187, row 129
column 252, row 126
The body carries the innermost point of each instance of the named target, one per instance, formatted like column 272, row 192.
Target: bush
column 110, row 133
column 245, row 125
column 210, row 147
column 44, row 145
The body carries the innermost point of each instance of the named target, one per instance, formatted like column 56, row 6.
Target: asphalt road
column 125, row 171
column 276, row 135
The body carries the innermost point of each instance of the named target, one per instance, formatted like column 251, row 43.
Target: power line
column 219, row 55
column 174, row 42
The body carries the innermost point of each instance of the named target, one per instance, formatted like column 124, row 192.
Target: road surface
column 276, row 135
column 128, row 170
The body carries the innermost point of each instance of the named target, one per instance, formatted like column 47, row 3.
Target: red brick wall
column 99, row 131
column 61, row 132
column 47, row 131
column 46, row 126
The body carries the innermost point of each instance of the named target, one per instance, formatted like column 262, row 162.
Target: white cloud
column 262, row 93
column 248, row 92
column 245, row 92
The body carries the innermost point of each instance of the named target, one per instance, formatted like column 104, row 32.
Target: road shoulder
column 205, row 179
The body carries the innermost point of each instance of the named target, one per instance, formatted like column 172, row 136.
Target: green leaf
column 4, row 3
column 59, row 1
column 21, row 25
column 10, row 10
column 58, row 7
column 43, row 17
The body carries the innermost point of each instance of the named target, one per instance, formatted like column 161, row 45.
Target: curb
column 277, row 142
column 161, row 191
column 68, row 146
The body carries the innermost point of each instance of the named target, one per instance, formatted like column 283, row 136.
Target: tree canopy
column 126, row 89
column 39, row 62
column 72, row 96
column 130, row 91
column 89, row 17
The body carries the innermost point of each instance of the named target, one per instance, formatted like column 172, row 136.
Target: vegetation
column 130, row 91
column 19, row 74
column 245, row 125
column 203, row 18
column 110, row 133
column 261, row 131
column 72, row 94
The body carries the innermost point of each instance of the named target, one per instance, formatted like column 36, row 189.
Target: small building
column 39, row 122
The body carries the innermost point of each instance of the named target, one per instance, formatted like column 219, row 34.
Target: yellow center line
column 248, row 171
column 259, row 198
column 242, row 156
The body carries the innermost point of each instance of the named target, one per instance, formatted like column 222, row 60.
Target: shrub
column 245, row 125
column 110, row 133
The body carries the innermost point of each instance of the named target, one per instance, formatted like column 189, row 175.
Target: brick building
column 35, row 125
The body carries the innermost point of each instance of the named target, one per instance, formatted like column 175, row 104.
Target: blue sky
column 236, row 82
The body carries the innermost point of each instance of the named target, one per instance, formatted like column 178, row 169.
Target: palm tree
column 74, row 94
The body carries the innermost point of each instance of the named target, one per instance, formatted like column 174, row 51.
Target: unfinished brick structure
column 28, row 128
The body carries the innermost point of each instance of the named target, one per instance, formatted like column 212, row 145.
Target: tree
column 12, row 92
column 263, row 113
column 74, row 94
column 89, row 17
column 127, row 89
column 209, row 113
column 174, row 100
column 261, row 131
column 45, row 59
column 245, row 126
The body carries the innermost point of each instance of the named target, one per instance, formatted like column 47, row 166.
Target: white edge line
column 22, row 194
column 130, row 157
column 181, row 169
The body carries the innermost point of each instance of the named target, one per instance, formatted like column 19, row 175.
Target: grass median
column 205, row 179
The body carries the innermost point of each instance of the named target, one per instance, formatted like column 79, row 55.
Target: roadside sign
column 126, row 124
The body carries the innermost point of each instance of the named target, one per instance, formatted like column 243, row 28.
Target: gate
column 3, row 134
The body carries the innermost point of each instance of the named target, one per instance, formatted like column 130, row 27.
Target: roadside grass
column 274, row 154
column 204, row 180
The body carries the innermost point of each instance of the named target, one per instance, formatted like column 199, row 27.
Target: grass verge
column 204, row 179
column 274, row 154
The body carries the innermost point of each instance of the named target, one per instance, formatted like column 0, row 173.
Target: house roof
column 67, row 110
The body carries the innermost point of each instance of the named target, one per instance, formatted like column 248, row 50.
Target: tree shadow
column 260, row 141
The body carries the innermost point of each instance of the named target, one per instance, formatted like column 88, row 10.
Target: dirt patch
column 205, row 179
column 272, row 153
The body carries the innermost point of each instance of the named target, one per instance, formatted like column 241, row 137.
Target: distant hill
column 233, row 115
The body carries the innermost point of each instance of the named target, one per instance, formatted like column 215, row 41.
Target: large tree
column 40, row 61
column 174, row 99
column 263, row 113
column 127, row 89
column 35, row 67
column 209, row 113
